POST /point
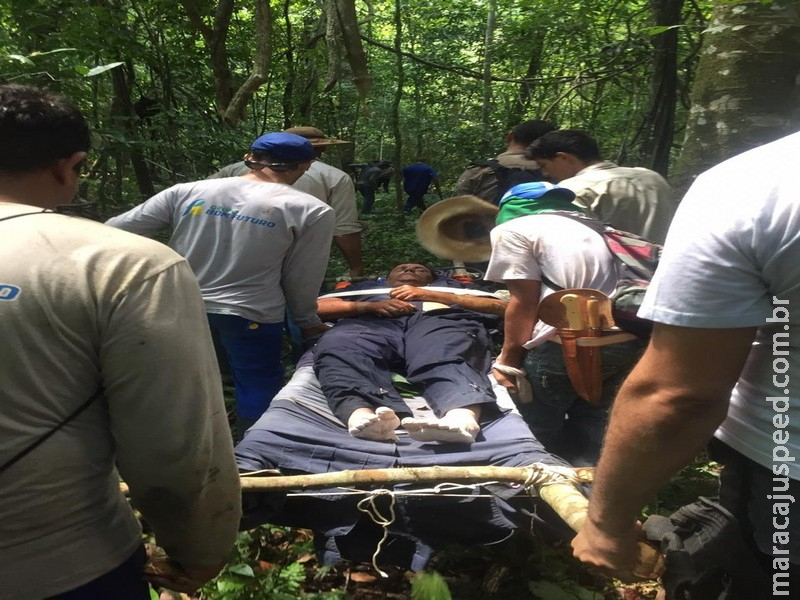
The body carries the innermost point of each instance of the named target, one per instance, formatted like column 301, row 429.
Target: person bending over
column 437, row 338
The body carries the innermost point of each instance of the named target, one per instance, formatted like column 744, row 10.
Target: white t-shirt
column 567, row 253
column 336, row 188
column 733, row 247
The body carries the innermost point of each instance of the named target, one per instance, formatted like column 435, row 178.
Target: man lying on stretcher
column 439, row 339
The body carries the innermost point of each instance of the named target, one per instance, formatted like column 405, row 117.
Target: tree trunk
column 658, row 128
column 520, row 106
column 230, row 100
column 288, row 90
column 351, row 38
column 486, row 107
column 262, row 62
column 122, row 112
column 746, row 87
column 398, row 96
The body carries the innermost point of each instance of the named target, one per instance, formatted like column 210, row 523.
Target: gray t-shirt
column 255, row 247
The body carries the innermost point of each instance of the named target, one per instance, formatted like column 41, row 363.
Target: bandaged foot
column 458, row 426
column 378, row 424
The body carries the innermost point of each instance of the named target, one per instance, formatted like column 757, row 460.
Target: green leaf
column 56, row 51
column 660, row 29
column 430, row 586
column 102, row 69
column 154, row 595
column 81, row 70
column 242, row 569
column 22, row 59
column 228, row 585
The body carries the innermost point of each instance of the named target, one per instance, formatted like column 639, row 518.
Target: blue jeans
column 254, row 354
column 561, row 420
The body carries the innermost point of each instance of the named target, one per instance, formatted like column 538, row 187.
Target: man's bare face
column 559, row 167
column 409, row 274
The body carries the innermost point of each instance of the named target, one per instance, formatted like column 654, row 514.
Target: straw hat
column 315, row 136
column 458, row 228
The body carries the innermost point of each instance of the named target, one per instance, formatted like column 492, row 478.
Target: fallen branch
column 557, row 486
column 521, row 475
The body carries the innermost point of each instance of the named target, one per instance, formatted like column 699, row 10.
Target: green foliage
column 580, row 63
column 429, row 586
column 389, row 239
column 266, row 564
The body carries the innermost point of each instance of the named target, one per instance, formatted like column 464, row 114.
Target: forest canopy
column 175, row 90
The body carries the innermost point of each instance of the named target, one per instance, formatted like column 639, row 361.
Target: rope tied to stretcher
column 538, row 475
column 370, row 508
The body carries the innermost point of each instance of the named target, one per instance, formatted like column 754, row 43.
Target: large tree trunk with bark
column 746, row 90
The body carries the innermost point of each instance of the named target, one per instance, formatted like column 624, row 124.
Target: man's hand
column 614, row 555
column 391, row 308
column 162, row 571
column 317, row 330
column 507, row 382
column 413, row 293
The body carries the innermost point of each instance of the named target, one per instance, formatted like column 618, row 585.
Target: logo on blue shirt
column 195, row 208
column 8, row 292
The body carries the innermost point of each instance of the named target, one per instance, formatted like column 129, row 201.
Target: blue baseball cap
column 537, row 189
column 286, row 147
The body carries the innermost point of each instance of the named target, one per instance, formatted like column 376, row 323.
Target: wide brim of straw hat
column 315, row 136
column 458, row 228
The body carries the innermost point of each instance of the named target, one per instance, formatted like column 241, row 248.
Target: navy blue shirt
column 417, row 178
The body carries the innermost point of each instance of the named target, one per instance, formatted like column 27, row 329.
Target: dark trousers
column 414, row 200
column 125, row 582
column 565, row 423
column 744, row 487
column 369, row 199
column 448, row 355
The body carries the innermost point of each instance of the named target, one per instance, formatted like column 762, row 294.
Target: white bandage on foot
column 378, row 425
column 457, row 427
column 524, row 390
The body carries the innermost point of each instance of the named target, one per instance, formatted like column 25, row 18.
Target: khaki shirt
column 90, row 308
column 482, row 182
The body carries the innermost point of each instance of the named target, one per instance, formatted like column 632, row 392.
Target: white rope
column 367, row 506
column 541, row 475
column 524, row 390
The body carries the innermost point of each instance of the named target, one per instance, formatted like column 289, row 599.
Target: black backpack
column 707, row 556
column 508, row 177
column 637, row 259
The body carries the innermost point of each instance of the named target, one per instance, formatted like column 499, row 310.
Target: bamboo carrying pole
column 556, row 486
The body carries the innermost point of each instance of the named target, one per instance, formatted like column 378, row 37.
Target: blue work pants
column 447, row 354
column 254, row 354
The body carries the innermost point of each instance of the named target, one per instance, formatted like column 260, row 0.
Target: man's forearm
column 665, row 413
column 349, row 245
column 652, row 434
column 520, row 317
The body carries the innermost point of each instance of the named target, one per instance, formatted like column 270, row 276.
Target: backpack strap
column 44, row 437
column 36, row 212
